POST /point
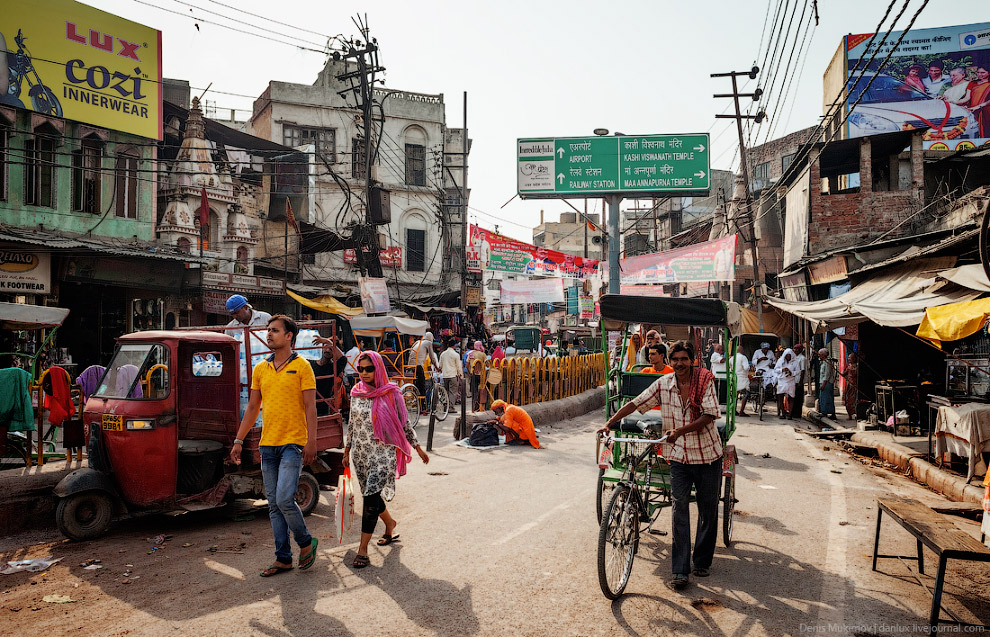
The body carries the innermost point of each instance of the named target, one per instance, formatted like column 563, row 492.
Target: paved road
column 503, row 543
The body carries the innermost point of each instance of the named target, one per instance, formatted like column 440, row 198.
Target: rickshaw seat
column 638, row 423
column 199, row 446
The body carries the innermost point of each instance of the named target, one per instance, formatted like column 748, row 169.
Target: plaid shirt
column 697, row 447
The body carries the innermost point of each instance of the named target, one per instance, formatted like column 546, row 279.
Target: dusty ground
column 504, row 543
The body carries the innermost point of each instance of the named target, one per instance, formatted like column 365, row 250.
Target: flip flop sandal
column 361, row 561
column 306, row 562
column 274, row 569
column 388, row 539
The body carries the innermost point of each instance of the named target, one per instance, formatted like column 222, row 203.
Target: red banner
column 390, row 257
column 501, row 254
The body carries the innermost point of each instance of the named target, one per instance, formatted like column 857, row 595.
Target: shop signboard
column 215, row 301
column 71, row 61
column 930, row 81
column 390, row 257
column 24, row 272
column 586, row 307
column 642, row 290
column 473, row 296
column 497, row 253
column 243, row 283
column 532, row 291
column 699, row 263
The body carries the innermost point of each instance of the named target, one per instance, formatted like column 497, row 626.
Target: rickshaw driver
column 694, row 450
column 285, row 383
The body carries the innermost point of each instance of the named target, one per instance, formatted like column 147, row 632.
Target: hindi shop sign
column 374, row 295
column 593, row 166
column 709, row 261
column 497, row 253
column 533, row 291
column 23, row 272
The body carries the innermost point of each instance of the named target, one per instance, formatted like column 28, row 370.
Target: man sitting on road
column 694, row 450
column 515, row 424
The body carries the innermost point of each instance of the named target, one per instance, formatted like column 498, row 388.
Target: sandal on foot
column 274, row 569
column 306, row 562
column 361, row 561
column 388, row 539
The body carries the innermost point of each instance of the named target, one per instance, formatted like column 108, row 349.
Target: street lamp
column 601, row 132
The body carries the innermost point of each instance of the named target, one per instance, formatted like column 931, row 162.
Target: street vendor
column 694, row 450
column 515, row 424
column 243, row 315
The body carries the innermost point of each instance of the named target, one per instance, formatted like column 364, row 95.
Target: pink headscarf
column 388, row 410
column 478, row 345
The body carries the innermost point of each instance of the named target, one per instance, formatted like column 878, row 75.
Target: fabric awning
column 18, row 316
column 326, row 303
column 426, row 309
column 378, row 325
column 896, row 297
column 954, row 321
column 967, row 276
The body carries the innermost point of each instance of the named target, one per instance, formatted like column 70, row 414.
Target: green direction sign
column 594, row 166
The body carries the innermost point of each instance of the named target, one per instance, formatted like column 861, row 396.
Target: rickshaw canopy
column 617, row 309
column 378, row 325
column 17, row 316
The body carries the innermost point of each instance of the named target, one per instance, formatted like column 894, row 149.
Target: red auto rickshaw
column 161, row 424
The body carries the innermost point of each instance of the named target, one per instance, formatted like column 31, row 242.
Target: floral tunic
column 374, row 462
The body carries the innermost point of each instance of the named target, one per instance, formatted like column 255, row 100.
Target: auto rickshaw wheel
column 307, row 493
column 84, row 516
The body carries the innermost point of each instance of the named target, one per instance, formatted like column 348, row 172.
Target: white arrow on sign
column 560, row 151
column 700, row 174
column 700, row 148
column 560, row 178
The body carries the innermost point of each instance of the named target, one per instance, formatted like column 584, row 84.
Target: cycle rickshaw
column 634, row 485
column 759, row 390
column 398, row 334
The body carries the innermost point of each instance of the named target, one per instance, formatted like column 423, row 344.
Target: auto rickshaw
column 160, row 427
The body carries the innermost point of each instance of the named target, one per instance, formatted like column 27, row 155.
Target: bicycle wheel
column 728, row 506
column 411, row 397
column 14, row 457
column 441, row 402
column 761, row 403
column 617, row 542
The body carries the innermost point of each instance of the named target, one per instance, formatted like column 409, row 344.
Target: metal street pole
column 461, row 433
column 613, row 243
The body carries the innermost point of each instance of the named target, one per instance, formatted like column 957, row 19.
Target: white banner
column 538, row 291
column 374, row 295
column 797, row 214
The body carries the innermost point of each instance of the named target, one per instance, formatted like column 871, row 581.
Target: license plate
column 113, row 423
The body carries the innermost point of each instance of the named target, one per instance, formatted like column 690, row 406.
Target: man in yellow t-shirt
column 285, row 383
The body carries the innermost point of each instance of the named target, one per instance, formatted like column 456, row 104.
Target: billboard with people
column 937, row 79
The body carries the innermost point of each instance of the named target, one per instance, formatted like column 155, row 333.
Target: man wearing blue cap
column 244, row 315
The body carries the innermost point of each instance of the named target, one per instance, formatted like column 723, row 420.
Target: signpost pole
column 613, row 243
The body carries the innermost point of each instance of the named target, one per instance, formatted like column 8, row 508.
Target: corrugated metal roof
column 920, row 251
column 56, row 242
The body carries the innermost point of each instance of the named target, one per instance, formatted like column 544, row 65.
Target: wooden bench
column 940, row 535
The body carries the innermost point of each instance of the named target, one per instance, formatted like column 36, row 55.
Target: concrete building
column 418, row 244
column 570, row 234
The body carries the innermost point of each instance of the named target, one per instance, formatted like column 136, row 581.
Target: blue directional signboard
column 623, row 164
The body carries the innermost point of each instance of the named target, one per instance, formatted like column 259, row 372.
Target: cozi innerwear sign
column 72, row 61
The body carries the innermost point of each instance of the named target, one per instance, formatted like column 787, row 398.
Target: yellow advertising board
column 66, row 59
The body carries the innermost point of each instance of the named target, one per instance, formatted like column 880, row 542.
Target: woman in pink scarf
column 380, row 443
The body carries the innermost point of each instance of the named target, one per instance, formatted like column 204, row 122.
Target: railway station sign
column 623, row 164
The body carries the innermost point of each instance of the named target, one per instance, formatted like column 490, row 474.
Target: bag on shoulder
column 483, row 434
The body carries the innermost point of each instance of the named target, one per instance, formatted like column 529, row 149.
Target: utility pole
column 463, row 433
column 739, row 117
column 585, row 220
column 362, row 85
column 613, row 243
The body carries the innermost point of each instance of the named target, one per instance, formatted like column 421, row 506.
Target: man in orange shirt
column 657, row 354
column 517, row 422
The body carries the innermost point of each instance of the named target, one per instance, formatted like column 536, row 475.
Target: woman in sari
column 635, row 343
column 850, row 394
column 380, row 443
column 979, row 98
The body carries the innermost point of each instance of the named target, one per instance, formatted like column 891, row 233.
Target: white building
column 418, row 245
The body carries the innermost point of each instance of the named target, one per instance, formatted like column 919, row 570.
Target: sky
column 536, row 69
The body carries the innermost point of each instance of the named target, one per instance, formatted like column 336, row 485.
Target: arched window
column 415, row 147
column 215, row 230
column 40, row 169
column 414, row 228
column 126, row 178
column 183, row 245
column 87, row 181
column 242, row 257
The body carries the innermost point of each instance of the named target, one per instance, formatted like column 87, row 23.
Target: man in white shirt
column 450, row 367
column 421, row 355
column 510, row 348
column 352, row 356
column 764, row 360
column 243, row 315
column 718, row 368
column 936, row 79
column 739, row 364
column 801, row 363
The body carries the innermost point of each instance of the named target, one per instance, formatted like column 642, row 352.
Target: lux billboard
column 66, row 59
column 935, row 79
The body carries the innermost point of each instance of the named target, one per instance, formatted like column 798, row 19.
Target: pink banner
column 497, row 253
column 709, row 261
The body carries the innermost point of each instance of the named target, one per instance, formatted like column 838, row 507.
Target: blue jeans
column 826, row 399
column 706, row 478
column 281, row 467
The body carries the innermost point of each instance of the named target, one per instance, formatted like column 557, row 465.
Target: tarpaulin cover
column 18, row 316
column 896, row 297
column 773, row 322
column 954, row 321
column 669, row 311
column 326, row 303
column 376, row 325
column 968, row 276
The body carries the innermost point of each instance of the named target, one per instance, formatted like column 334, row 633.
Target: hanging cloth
column 58, row 397
column 16, row 412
